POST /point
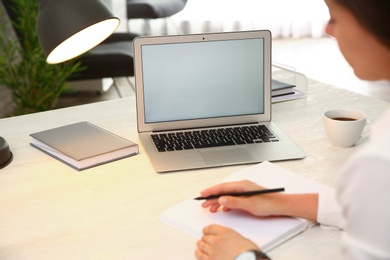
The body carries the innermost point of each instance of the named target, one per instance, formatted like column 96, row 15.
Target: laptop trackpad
column 227, row 156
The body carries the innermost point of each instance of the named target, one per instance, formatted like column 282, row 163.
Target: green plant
column 35, row 85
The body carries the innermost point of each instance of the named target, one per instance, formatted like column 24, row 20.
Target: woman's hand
column 221, row 243
column 271, row 204
column 258, row 205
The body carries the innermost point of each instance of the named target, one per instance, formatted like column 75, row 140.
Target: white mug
column 344, row 127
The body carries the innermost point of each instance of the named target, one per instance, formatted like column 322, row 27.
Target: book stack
column 281, row 91
column 280, row 88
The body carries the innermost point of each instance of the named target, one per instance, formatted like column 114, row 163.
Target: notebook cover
column 82, row 140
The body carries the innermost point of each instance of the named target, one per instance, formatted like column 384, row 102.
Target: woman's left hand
column 221, row 243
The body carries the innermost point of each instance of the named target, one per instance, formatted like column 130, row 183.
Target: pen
column 245, row 193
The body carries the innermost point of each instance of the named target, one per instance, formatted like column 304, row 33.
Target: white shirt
column 363, row 193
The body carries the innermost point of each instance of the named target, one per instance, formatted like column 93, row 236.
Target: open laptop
column 188, row 86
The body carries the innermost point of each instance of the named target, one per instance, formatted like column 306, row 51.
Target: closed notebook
column 281, row 88
column 267, row 232
column 83, row 145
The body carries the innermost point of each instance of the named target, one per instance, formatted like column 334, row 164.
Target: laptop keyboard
column 207, row 138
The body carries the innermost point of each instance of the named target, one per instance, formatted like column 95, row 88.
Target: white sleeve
column 329, row 210
column 364, row 193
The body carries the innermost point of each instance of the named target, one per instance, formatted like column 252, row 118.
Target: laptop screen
column 204, row 79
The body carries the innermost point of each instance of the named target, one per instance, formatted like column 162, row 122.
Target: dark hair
column 373, row 15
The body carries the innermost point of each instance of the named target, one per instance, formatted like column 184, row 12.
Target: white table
column 50, row 211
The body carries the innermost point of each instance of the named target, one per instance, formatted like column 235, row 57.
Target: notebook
column 189, row 217
column 190, row 85
column 83, row 145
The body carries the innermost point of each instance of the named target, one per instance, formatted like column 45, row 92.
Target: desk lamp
column 67, row 29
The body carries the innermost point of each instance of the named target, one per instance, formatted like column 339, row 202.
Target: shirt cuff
column 329, row 211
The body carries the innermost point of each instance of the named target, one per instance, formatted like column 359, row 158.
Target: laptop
column 195, row 94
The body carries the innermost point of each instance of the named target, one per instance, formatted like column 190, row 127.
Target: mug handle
column 366, row 130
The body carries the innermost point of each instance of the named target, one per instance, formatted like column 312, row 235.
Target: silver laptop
column 197, row 94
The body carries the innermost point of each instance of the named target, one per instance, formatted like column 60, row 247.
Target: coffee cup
column 344, row 127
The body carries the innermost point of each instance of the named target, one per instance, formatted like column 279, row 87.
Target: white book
column 267, row 232
column 83, row 145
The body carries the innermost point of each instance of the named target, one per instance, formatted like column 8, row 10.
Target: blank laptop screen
column 184, row 81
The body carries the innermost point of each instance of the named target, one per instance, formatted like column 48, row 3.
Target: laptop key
column 188, row 147
column 208, row 145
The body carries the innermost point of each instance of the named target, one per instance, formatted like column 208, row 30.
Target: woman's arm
column 272, row 204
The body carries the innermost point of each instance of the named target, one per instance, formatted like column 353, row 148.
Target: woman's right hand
column 258, row 205
column 270, row 204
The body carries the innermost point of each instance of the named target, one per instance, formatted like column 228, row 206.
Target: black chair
column 111, row 59
column 153, row 9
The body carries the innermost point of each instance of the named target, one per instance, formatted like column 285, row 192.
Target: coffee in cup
column 343, row 126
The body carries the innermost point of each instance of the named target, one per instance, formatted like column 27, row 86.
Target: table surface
column 50, row 211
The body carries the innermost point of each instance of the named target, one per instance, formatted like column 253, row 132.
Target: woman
column 362, row 31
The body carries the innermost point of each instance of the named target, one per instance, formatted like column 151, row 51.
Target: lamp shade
column 68, row 28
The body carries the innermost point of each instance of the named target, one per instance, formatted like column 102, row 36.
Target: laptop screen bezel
column 199, row 123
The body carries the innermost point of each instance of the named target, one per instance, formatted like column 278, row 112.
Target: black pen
column 245, row 193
